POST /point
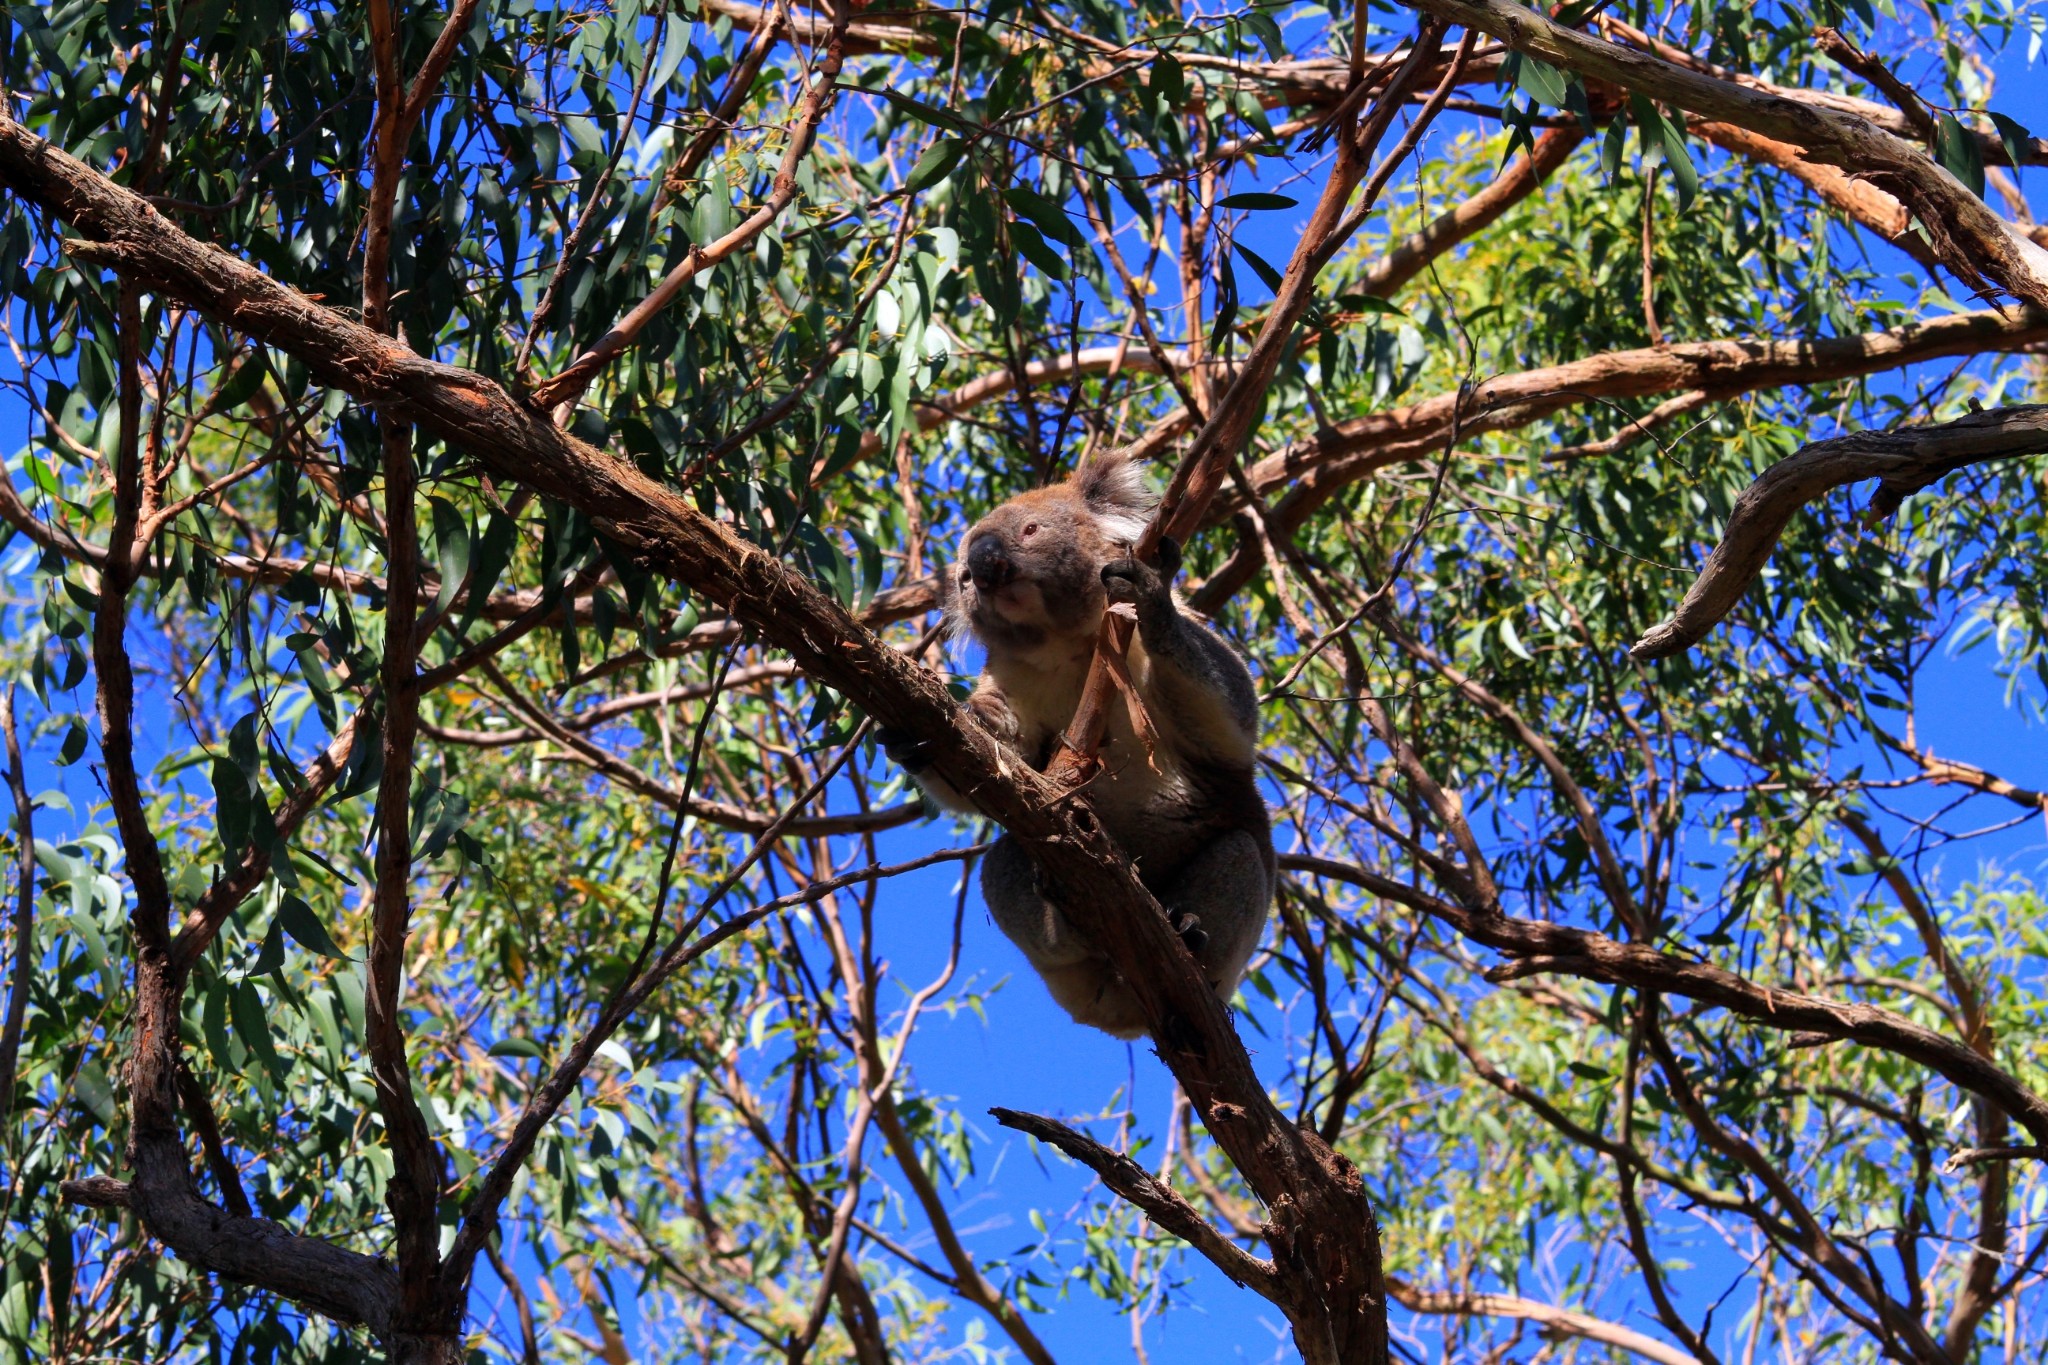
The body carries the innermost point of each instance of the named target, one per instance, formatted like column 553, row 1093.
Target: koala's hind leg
column 1079, row 978
column 1219, row 903
column 1010, row 884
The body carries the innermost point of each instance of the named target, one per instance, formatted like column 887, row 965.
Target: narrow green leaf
column 1047, row 216
column 452, row 538
column 515, row 1047
column 1226, row 301
column 938, row 159
column 1032, row 247
column 244, row 750
column 1684, row 174
column 1168, row 85
column 232, row 808
column 1267, row 32
column 297, row 919
column 1956, row 148
column 675, row 44
column 252, row 1026
column 271, row 956
column 1512, row 640
column 2015, row 138
column 1542, row 82
column 1649, row 125
column 922, row 112
column 241, row 386
column 493, row 553
column 73, row 747
column 95, row 1092
column 1268, row 276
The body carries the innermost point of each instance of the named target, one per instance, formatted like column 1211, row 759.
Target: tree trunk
column 424, row 1348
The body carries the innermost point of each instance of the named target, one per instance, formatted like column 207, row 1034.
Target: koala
column 1032, row 583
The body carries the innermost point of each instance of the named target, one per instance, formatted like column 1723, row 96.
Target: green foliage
column 944, row 240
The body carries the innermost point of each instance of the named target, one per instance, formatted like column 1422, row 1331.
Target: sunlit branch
column 1563, row 1321
column 1903, row 462
column 1978, row 245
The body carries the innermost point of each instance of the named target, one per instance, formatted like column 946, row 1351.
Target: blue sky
column 1029, row 1056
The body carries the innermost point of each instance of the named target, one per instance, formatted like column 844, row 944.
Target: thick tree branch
column 1903, row 461
column 163, row 1193
column 413, row 1193
column 1859, row 200
column 2034, row 151
column 1953, row 772
column 1978, row 245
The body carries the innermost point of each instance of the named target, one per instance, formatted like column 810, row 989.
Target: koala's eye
column 1030, row 528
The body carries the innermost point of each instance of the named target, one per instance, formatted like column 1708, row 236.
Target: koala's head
column 1031, row 570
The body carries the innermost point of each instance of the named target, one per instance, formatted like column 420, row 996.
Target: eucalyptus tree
column 480, row 473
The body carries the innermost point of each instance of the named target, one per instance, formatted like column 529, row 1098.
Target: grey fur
column 1031, row 583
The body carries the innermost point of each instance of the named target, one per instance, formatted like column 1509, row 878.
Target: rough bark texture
column 1862, row 202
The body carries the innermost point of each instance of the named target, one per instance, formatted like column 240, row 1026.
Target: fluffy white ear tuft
column 1114, row 483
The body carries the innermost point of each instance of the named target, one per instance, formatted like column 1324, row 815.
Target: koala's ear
column 1113, row 483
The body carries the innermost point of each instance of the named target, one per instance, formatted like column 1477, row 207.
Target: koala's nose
column 988, row 565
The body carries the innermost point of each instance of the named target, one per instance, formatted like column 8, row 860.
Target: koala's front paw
column 906, row 750
column 1132, row 580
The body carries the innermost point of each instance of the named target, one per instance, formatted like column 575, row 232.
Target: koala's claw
column 1132, row 580
column 906, row 750
column 1129, row 580
column 1190, row 929
column 1169, row 558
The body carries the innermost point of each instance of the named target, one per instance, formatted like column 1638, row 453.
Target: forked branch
column 1903, row 461
column 1157, row 1200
